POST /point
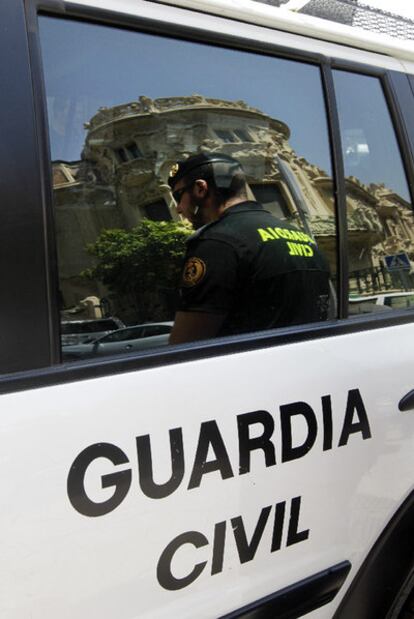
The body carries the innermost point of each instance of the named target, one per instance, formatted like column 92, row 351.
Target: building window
column 243, row 135
column 133, row 150
column 129, row 152
column 270, row 196
column 121, row 154
column 226, row 135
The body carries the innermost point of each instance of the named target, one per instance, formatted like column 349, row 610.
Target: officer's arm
column 190, row 326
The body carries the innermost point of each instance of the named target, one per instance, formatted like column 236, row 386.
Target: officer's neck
column 229, row 203
column 213, row 211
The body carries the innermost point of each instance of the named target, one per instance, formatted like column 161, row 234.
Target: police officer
column 245, row 270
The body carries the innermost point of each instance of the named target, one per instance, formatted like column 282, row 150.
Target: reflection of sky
column 101, row 66
column 366, row 127
column 106, row 66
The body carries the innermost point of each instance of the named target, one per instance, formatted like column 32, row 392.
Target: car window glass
column 117, row 125
column 400, row 301
column 88, row 326
column 379, row 209
column 156, row 330
column 364, row 306
column 122, row 335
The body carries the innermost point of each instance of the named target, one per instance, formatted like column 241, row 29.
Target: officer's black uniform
column 259, row 271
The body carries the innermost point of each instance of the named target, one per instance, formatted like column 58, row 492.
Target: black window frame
column 43, row 364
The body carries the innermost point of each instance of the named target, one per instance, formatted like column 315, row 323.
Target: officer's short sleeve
column 209, row 277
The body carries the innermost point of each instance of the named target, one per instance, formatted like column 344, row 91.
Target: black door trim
column 297, row 599
column 25, row 332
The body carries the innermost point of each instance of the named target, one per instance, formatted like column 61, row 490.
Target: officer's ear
column 200, row 188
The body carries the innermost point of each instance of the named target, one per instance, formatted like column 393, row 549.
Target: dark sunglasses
column 177, row 195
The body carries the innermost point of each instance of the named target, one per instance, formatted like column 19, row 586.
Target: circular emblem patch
column 194, row 271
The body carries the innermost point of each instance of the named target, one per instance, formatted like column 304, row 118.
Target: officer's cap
column 182, row 168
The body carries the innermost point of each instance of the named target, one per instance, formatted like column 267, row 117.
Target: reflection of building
column 82, row 209
column 129, row 151
column 380, row 223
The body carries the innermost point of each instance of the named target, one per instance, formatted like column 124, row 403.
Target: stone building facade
column 128, row 153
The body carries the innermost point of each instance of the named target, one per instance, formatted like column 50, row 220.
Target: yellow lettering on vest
column 266, row 236
column 275, row 232
column 271, row 232
column 308, row 250
column 300, row 247
column 292, row 249
column 281, row 232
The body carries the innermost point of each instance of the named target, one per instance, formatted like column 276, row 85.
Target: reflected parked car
column 129, row 339
column 380, row 302
column 86, row 331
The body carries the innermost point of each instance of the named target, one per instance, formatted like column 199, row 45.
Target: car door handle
column 407, row 402
column 128, row 346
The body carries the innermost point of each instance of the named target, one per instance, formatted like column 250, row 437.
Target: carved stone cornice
column 145, row 106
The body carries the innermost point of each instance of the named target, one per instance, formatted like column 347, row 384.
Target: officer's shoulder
column 211, row 230
column 197, row 234
column 215, row 233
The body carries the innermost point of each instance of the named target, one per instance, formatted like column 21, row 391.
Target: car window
column 117, row 126
column 379, row 208
column 88, row 326
column 400, row 302
column 361, row 307
column 156, row 330
column 123, row 335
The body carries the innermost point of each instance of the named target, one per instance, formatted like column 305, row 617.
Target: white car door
column 236, row 477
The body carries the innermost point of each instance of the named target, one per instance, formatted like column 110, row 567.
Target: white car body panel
column 250, row 19
column 110, row 561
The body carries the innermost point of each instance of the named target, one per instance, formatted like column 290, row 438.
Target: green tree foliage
column 141, row 267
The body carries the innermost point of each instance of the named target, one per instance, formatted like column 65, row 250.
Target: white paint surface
column 56, row 562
